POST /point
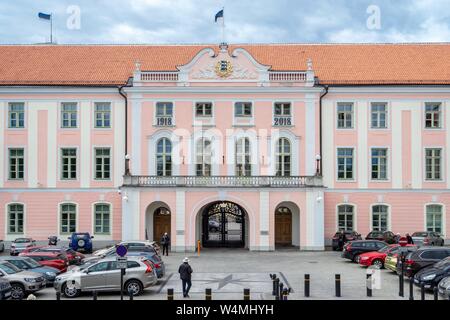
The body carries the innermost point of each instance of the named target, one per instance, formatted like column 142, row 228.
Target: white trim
column 447, row 139
column 57, row 89
column 292, row 125
column 2, row 144
column 25, row 164
column 363, row 108
column 382, row 89
column 60, row 163
column 251, row 118
column 388, row 164
column 111, row 116
column 354, row 114
column 136, row 136
column 223, row 89
column 369, row 115
column 111, row 221
column 85, row 109
column 175, row 154
column 155, row 102
column 12, row 236
column 355, row 167
column 25, row 116
column 118, row 111
column 78, row 111
column 328, row 141
column 295, row 151
column 230, row 157
column 442, row 164
column 77, row 218
column 310, row 139
column 355, row 215
column 111, row 162
column 441, row 115
column 216, row 150
column 444, row 218
column 389, row 215
column 203, row 121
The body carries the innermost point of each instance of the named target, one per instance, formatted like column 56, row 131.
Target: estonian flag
column 44, row 16
column 219, row 15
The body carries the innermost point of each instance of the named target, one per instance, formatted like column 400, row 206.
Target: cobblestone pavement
column 228, row 271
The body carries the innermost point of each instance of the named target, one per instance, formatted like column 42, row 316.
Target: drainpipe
column 120, row 88
column 320, row 124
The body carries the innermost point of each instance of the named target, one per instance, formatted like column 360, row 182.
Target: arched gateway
column 223, row 225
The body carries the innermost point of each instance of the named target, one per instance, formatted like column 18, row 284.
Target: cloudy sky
column 247, row 21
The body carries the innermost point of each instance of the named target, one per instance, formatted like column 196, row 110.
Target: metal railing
column 223, row 181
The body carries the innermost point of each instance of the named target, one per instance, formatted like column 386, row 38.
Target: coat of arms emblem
column 224, row 68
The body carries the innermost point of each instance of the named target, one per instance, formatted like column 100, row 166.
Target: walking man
column 165, row 242
column 185, row 272
column 409, row 238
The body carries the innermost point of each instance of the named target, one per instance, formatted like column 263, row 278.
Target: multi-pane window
column 283, row 157
column 380, row 218
column 433, row 115
column 69, row 115
column 68, row 218
column 102, row 115
column 16, row 115
column 15, row 218
column 68, row 163
column 164, row 109
column 379, row 164
column 345, row 217
column 203, row 157
column 164, row 157
column 102, row 163
column 203, row 109
column 345, row 115
column 16, row 163
column 282, row 109
column 378, row 115
column 243, row 166
column 433, row 163
column 102, row 218
column 434, row 218
column 345, row 163
column 243, row 109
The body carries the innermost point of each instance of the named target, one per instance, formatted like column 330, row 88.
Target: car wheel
column 17, row 291
column 70, row 292
column 377, row 263
column 356, row 258
column 133, row 286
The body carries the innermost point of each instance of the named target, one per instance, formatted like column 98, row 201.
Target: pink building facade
column 223, row 148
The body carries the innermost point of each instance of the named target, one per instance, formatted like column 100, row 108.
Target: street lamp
column 127, row 165
column 318, row 158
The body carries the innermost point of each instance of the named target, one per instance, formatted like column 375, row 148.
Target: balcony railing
column 224, row 181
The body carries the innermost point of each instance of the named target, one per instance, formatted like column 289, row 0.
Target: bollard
column 131, row 295
column 58, row 295
column 274, row 287
column 307, row 282
column 198, row 248
column 411, row 289
column 94, row 295
column 281, row 291
column 208, row 294
column 337, row 280
column 246, row 294
column 435, row 293
column 169, row 294
column 277, row 284
column 401, row 285
column 286, row 293
column 422, row 291
column 369, row 284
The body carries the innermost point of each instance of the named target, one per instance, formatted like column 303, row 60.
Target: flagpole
column 223, row 25
column 51, row 27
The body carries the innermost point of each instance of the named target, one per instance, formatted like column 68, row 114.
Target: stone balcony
column 224, row 181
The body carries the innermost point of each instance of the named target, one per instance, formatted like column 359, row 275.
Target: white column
column 136, row 134
column 264, row 242
column 180, row 219
column 310, row 132
column 328, row 150
column 362, row 174
column 32, row 148
column 119, row 142
column 85, row 144
column 3, row 113
column 130, row 214
column 314, row 220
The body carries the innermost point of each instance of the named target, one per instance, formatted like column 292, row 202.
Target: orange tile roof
column 334, row 64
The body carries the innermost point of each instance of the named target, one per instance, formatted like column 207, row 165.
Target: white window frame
column 60, row 212
column 203, row 115
column 387, row 179
column 353, row 215
column 441, row 164
column 164, row 155
column 291, row 115
column 282, row 155
column 17, row 127
column 8, row 163
column 388, row 216
column 77, row 114
column 440, row 112
column 386, row 112
column 8, row 220
column 155, row 113
column 352, row 113
column 443, row 217
column 95, row 219
column 353, row 164
column 243, row 115
column 61, row 163
column 95, row 104
column 204, row 156
column 94, row 174
column 241, row 162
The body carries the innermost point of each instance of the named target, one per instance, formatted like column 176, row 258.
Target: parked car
column 427, row 238
column 81, row 241
column 349, row 235
column 104, row 275
column 2, row 246
column 353, row 249
column 391, row 261
column 422, row 258
column 22, row 282
column 28, row 264
column 432, row 275
column 377, row 258
column 20, row 244
column 129, row 244
column 386, row 236
column 50, row 259
column 444, row 288
column 73, row 256
column 5, row 288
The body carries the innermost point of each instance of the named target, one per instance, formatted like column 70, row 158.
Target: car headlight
column 32, row 280
column 429, row 277
column 364, row 258
column 51, row 274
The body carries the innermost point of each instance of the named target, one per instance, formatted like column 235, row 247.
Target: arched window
column 164, row 157
column 345, row 217
column 283, row 157
column 68, row 218
column 102, row 217
column 434, row 218
column 203, row 157
column 380, row 218
column 15, row 218
column 243, row 166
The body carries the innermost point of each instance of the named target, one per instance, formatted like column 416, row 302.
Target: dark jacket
column 410, row 240
column 165, row 240
column 185, row 271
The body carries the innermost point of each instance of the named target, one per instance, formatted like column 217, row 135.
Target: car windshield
column 31, row 263
column 9, row 268
column 376, row 234
column 385, row 249
column 22, row 240
column 443, row 263
column 420, row 234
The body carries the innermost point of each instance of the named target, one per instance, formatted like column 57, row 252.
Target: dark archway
column 283, row 226
column 223, row 225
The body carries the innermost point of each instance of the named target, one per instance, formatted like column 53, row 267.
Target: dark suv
column 424, row 257
column 353, row 249
column 386, row 236
column 432, row 275
column 349, row 235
